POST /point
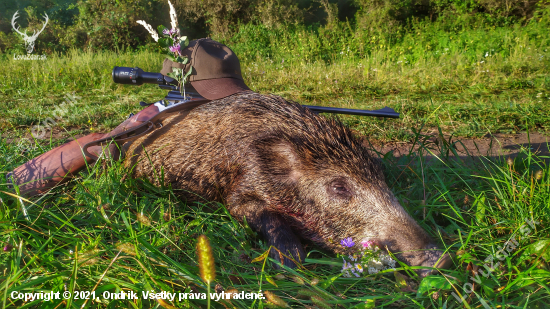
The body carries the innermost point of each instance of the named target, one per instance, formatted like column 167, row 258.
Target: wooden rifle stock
column 60, row 164
column 53, row 167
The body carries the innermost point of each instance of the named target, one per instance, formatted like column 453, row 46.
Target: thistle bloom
column 347, row 242
column 148, row 27
column 366, row 244
column 175, row 49
column 169, row 31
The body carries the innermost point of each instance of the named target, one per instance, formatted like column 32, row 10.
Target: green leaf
column 400, row 279
column 176, row 73
column 188, row 73
column 171, row 58
column 540, row 248
column 184, row 42
column 432, row 282
column 161, row 28
column 193, row 223
column 479, row 203
column 248, row 229
column 165, row 42
column 368, row 304
column 270, row 280
column 325, row 284
column 261, row 258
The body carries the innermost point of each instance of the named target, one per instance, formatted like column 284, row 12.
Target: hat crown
column 211, row 59
column 216, row 70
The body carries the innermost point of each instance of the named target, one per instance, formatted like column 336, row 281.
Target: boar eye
column 340, row 188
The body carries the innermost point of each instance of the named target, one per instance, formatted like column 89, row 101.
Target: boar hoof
column 280, row 236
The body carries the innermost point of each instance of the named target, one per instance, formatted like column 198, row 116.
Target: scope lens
column 136, row 76
column 124, row 75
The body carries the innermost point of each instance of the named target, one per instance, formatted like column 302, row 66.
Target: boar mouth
column 431, row 258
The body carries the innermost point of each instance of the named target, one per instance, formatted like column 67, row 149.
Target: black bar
column 136, row 76
column 384, row 112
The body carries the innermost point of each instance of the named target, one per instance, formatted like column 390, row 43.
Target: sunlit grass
column 105, row 231
column 473, row 79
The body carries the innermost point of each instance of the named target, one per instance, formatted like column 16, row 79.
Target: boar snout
column 397, row 232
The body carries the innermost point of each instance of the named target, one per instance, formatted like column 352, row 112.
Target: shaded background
column 111, row 24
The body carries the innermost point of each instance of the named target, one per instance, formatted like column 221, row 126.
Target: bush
column 112, row 24
column 223, row 15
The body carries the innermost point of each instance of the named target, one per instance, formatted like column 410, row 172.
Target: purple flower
column 8, row 248
column 367, row 243
column 175, row 49
column 347, row 242
column 169, row 31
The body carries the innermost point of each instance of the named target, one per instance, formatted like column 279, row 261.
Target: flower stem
column 182, row 83
column 208, row 297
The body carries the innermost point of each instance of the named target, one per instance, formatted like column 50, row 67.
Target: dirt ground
column 497, row 145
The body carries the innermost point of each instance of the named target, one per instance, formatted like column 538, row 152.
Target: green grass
column 109, row 232
column 465, row 102
column 465, row 76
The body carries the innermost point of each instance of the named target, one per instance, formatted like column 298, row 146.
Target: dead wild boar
column 293, row 175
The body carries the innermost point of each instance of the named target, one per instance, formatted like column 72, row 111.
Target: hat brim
column 214, row 89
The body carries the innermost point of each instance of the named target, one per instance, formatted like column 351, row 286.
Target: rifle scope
column 136, row 76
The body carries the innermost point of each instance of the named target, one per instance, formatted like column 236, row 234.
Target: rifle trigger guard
column 145, row 104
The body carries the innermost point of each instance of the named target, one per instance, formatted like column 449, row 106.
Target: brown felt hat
column 216, row 69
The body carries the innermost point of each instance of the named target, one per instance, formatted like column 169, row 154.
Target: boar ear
column 279, row 158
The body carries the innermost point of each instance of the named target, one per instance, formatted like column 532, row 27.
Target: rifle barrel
column 384, row 112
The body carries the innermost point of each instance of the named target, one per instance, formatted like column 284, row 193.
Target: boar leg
column 279, row 235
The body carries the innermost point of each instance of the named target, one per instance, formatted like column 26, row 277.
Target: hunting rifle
column 61, row 163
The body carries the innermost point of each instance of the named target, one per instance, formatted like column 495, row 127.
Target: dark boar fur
column 293, row 174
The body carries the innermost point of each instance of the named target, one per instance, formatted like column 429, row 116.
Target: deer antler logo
column 29, row 40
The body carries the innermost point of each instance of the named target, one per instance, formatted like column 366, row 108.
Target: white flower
column 376, row 264
column 173, row 16
column 372, row 270
column 387, row 260
column 148, row 27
